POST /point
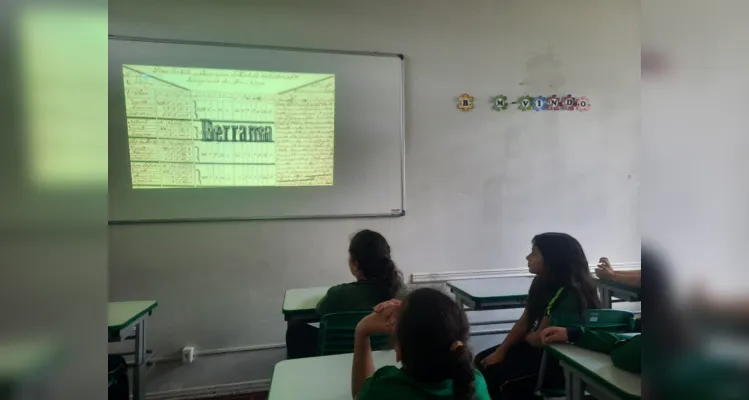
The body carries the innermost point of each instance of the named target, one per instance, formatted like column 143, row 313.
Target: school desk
column 593, row 372
column 319, row 378
column 491, row 294
column 127, row 320
column 26, row 368
column 609, row 290
column 299, row 304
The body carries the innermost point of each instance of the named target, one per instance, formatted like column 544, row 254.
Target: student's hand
column 497, row 357
column 605, row 274
column 554, row 334
column 604, row 263
column 377, row 322
column 604, row 270
column 393, row 303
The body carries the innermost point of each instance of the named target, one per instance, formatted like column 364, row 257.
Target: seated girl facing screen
column 377, row 280
column 563, row 288
column 430, row 333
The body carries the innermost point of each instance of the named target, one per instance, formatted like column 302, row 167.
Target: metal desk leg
column 578, row 388
column 139, row 387
column 460, row 302
column 605, row 297
column 568, row 383
column 541, row 374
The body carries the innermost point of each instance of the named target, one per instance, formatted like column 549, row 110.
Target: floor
column 251, row 396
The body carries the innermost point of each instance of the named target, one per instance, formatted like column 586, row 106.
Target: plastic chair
column 337, row 333
column 597, row 319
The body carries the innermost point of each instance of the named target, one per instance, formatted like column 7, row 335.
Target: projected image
column 199, row 127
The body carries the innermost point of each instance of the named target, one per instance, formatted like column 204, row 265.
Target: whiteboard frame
column 397, row 213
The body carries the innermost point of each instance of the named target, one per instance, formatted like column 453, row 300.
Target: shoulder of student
column 481, row 390
column 380, row 384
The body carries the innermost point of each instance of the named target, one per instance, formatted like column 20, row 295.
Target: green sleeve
column 365, row 391
column 627, row 354
column 481, row 390
column 602, row 342
column 625, row 350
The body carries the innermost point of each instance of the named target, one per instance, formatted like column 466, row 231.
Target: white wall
column 479, row 184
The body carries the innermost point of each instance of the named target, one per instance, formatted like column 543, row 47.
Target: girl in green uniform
column 563, row 288
column 430, row 332
column 377, row 280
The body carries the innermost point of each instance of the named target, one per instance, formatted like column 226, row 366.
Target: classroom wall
column 479, row 184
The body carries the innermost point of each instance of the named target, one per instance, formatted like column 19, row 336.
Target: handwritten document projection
column 199, row 127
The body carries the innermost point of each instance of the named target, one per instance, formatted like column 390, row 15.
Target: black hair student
column 377, row 280
column 563, row 287
column 377, row 277
column 430, row 332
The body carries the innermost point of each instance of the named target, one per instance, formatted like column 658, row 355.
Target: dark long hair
column 565, row 266
column 428, row 330
column 371, row 252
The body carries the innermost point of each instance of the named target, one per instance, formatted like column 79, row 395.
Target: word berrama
column 223, row 132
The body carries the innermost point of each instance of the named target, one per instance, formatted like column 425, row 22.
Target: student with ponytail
column 377, row 280
column 430, row 333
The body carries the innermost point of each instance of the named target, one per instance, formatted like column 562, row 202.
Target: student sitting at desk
column 625, row 350
column 605, row 271
column 563, row 287
column 377, row 280
column 430, row 331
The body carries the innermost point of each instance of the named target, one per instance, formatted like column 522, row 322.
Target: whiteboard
column 369, row 147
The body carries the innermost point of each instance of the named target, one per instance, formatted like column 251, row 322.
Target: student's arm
column 599, row 341
column 605, row 271
column 534, row 338
column 631, row 278
column 381, row 321
column 363, row 365
column 516, row 335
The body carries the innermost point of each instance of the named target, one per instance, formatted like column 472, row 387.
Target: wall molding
column 441, row 277
column 212, row 352
column 213, row 391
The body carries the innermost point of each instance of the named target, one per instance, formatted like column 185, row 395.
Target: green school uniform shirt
column 393, row 383
column 355, row 296
column 563, row 309
column 625, row 350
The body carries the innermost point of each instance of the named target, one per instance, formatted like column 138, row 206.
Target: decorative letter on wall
column 525, row 103
column 568, row 103
column 465, row 102
column 583, row 104
column 500, row 102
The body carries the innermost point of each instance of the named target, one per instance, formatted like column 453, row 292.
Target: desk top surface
column 598, row 366
column 121, row 314
column 20, row 360
column 319, row 378
column 302, row 300
column 494, row 288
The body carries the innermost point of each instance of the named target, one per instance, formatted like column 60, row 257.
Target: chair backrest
column 337, row 333
column 601, row 319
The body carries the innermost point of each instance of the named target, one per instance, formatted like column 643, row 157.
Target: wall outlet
column 188, row 355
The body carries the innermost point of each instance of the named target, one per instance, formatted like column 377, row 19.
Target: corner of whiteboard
column 397, row 212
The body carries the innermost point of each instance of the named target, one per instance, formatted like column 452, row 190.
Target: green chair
column 607, row 320
column 337, row 333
